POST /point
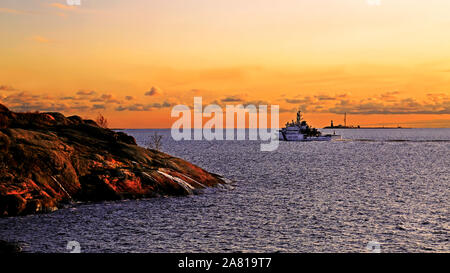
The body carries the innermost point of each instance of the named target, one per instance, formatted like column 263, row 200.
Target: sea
column 384, row 187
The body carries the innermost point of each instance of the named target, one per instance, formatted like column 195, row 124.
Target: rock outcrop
column 9, row 248
column 48, row 160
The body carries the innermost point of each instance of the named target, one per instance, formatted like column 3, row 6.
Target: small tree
column 102, row 121
column 155, row 141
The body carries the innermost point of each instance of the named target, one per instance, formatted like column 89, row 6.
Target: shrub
column 155, row 141
column 102, row 121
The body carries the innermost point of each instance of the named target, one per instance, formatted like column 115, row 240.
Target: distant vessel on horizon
column 299, row 130
column 332, row 126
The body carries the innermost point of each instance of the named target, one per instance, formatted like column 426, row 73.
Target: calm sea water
column 389, row 186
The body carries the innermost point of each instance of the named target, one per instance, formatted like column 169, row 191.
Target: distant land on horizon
column 326, row 127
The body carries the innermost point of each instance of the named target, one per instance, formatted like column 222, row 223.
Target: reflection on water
column 388, row 186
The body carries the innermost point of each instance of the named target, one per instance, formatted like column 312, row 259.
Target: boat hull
column 300, row 137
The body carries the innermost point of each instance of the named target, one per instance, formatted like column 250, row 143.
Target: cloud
column 20, row 97
column 287, row 110
column 86, row 93
column 256, row 102
column 144, row 107
column 67, row 98
column 134, row 107
column 305, row 104
column 397, row 106
column 81, row 101
column 391, row 102
column 297, row 101
column 232, row 99
column 325, row 97
column 165, row 104
column 40, row 39
column 154, row 91
column 62, row 9
column 106, row 98
column 316, row 99
column 389, row 96
column 73, row 98
column 12, row 11
column 7, row 88
column 436, row 97
column 98, row 106
column 62, row 6
column 23, row 101
column 385, row 103
column 238, row 100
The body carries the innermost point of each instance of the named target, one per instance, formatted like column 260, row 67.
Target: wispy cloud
column 7, row 88
column 12, row 11
column 107, row 98
column 40, row 39
column 19, row 100
column 144, row 107
column 64, row 10
column 62, row 6
column 234, row 98
column 387, row 103
column 86, row 93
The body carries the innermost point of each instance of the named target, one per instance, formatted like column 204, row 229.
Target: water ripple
column 304, row 197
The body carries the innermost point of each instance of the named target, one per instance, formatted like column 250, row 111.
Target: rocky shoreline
column 48, row 160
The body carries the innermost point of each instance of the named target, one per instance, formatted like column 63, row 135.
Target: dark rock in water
column 48, row 160
column 7, row 247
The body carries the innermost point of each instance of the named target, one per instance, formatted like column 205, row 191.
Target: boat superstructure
column 299, row 130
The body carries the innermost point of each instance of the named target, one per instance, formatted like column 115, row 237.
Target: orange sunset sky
column 384, row 63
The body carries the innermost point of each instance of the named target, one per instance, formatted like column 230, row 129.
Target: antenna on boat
column 345, row 119
column 299, row 116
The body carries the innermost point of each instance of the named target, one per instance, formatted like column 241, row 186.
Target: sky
column 383, row 62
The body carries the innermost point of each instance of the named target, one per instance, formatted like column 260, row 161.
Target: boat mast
column 299, row 117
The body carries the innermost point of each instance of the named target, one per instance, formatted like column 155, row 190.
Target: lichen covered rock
column 47, row 160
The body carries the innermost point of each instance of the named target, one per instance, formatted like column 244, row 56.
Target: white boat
column 301, row 131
